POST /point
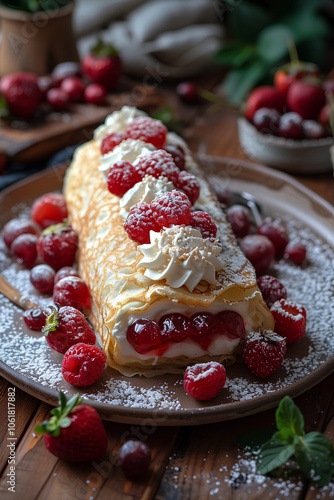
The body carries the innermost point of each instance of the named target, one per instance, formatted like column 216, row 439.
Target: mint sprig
column 60, row 418
column 313, row 451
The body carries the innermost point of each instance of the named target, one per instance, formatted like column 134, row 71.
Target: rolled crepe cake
column 178, row 271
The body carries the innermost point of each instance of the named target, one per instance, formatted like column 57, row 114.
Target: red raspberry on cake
column 49, row 209
column 144, row 335
column 271, row 288
column 158, row 163
column 147, row 129
column 71, row 291
column 122, row 176
column 172, row 208
column 204, row 381
column 110, row 141
column 83, row 364
column 66, row 327
column 264, row 352
column 58, row 245
column 290, row 320
column 204, row 223
column 189, row 185
column 140, row 222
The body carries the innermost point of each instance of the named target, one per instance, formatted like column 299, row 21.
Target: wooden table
column 188, row 463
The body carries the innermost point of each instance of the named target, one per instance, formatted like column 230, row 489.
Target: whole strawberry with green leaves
column 75, row 432
column 103, row 65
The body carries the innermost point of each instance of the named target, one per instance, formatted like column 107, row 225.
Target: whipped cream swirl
column 181, row 256
column 129, row 150
column 117, row 122
column 144, row 191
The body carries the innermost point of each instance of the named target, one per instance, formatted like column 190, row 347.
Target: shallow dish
column 28, row 362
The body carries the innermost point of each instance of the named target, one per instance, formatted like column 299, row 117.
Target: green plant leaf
column 272, row 43
column 239, row 81
column 247, row 19
column 315, row 456
column 255, row 439
column 306, row 25
column 289, row 419
column 273, row 454
column 235, row 53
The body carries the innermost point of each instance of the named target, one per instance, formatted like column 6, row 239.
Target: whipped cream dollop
column 129, row 150
column 181, row 256
column 117, row 122
column 144, row 191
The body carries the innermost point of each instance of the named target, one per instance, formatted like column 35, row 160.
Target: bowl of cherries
column 287, row 125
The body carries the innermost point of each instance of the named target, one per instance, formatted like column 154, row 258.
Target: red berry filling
column 189, row 185
column 271, row 288
column 172, row 208
column 110, row 141
column 204, row 223
column 122, row 177
column 232, row 324
column 144, row 335
column 147, row 129
column 204, row 381
column 83, row 364
column 158, row 163
column 175, row 327
column 140, row 222
column 290, row 320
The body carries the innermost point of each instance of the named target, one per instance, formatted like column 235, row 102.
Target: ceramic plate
column 28, row 362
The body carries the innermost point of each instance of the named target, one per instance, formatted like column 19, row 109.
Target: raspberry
column 140, row 222
column 290, row 320
column 204, row 381
column 58, row 245
column 238, row 217
column 177, row 153
column 49, row 209
column 158, row 163
column 232, row 324
column 144, row 335
column 189, row 185
column 110, row 141
column 66, row 327
column 271, row 288
column 276, row 231
column 122, row 177
column 24, row 249
column 264, row 352
column 83, row 364
column 295, row 251
column 42, row 278
column 134, row 457
column 64, row 272
column 15, row 228
column 205, row 325
column 147, row 129
column 35, row 318
column 203, row 222
column 71, row 291
column 175, row 327
column 171, row 208
column 259, row 250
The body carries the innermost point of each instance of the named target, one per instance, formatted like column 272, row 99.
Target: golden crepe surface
column 108, row 261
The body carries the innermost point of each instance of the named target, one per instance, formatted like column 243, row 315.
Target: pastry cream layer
column 108, row 261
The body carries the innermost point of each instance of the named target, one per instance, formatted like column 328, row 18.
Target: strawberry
column 264, row 97
column 102, row 65
column 57, row 245
column 264, row 352
column 75, row 432
column 83, row 364
column 22, row 93
column 290, row 320
column 306, row 99
column 66, row 327
column 204, row 381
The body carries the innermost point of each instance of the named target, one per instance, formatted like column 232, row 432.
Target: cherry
column 71, row 291
column 45, row 83
column 266, row 120
column 290, row 126
column 177, row 153
column 74, row 87
column 232, row 324
column 15, row 227
column 295, row 251
column 95, row 93
column 24, row 249
column 204, row 326
column 35, row 318
column 324, row 115
column 187, row 91
column 259, row 250
column 49, row 209
column 175, row 327
column 57, row 99
column 328, row 85
column 238, row 217
column 42, row 278
column 134, row 457
column 64, row 272
column 272, row 289
column 276, row 231
column 64, row 70
column 223, row 194
column 144, row 335
column 313, row 129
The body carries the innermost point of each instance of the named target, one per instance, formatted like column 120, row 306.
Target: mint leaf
column 255, row 439
column 289, row 420
column 239, row 81
column 272, row 43
column 315, row 456
column 274, row 453
column 235, row 53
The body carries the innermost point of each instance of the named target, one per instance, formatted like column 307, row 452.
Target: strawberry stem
column 60, row 418
column 51, row 322
column 56, row 228
column 102, row 49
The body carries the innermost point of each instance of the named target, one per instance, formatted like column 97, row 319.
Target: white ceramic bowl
column 299, row 157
